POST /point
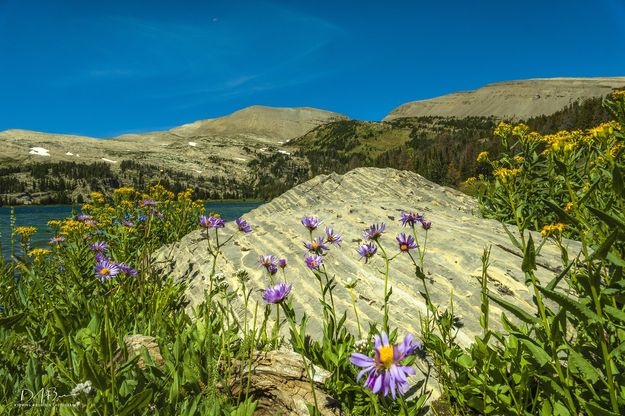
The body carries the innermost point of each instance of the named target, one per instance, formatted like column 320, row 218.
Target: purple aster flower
column 426, row 224
column 148, row 203
column 316, row 246
column 158, row 214
column 272, row 269
column 91, row 223
column 374, row 232
column 277, row 293
column 124, row 268
column 367, row 251
column 314, row 261
column 332, row 237
column 282, row 263
column 384, row 371
column 211, row 222
column 99, row 246
column 311, row 222
column 266, row 261
column 142, row 218
column 83, row 217
column 106, row 269
column 406, row 243
column 128, row 224
column 56, row 240
column 410, row 218
column 99, row 257
column 243, row 225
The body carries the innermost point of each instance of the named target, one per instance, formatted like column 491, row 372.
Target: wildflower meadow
column 65, row 309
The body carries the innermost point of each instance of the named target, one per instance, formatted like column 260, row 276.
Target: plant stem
column 386, row 267
column 351, row 292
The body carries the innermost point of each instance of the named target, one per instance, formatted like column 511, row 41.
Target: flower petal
column 360, row 360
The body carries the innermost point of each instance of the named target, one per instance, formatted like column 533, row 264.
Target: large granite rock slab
column 349, row 203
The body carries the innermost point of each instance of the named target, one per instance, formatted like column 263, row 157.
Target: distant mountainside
column 260, row 152
column 512, row 100
column 236, row 156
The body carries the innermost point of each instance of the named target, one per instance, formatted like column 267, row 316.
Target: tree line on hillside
column 442, row 149
column 70, row 182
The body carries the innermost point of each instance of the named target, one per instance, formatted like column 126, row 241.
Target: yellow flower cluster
column 553, row 229
column 159, row 192
column 54, row 224
column 615, row 149
column 519, row 159
column 520, row 129
column 186, row 195
column 503, row 129
column 482, row 157
column 126, row 205
column 197, row 204
column 97, row 197
column 86, row 207
column 70, row 226
column 471, row 181
column 603, row 130
column 618, row 94
column 25, row 232
column 124, row 191
column 569, row 207
column 504, row 173
column 39, row 252
column 563, row 140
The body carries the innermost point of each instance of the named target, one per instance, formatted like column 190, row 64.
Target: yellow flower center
column 403, row 247
column 313, row 263
column 387, row 356
column 315, row 244
column 105, row 271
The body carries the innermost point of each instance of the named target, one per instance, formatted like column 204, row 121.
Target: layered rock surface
column 349, row 203
column 512, row 99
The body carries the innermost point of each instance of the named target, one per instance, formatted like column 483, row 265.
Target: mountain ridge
column 513, row 100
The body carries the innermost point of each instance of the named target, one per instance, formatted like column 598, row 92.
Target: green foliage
column 61, row 327
column 567, row 355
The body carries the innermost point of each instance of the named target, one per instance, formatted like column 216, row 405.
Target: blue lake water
column 39, row 216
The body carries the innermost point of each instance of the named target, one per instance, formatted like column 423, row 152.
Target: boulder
column 349, row 203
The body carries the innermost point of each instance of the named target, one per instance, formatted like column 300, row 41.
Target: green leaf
column 571, row 305
column 580, row 366
column 604, row 248
column 618, row 350
column 536, row 351
column 607, row 218
column 513, row 239
column 596, row 409
column 529, row 257
column 136, row 402
column 562, row 215
column 91, row 373
column 13, row 320
column 554, row 282
column 515, row 310
column 617, row 181
column 615, row 259
column 614, row 312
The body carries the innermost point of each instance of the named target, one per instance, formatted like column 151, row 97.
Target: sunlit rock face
column 350, row 203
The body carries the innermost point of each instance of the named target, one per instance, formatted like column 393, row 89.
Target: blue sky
column 103, row 68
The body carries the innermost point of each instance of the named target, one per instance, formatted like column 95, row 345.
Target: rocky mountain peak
column 275, row 122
